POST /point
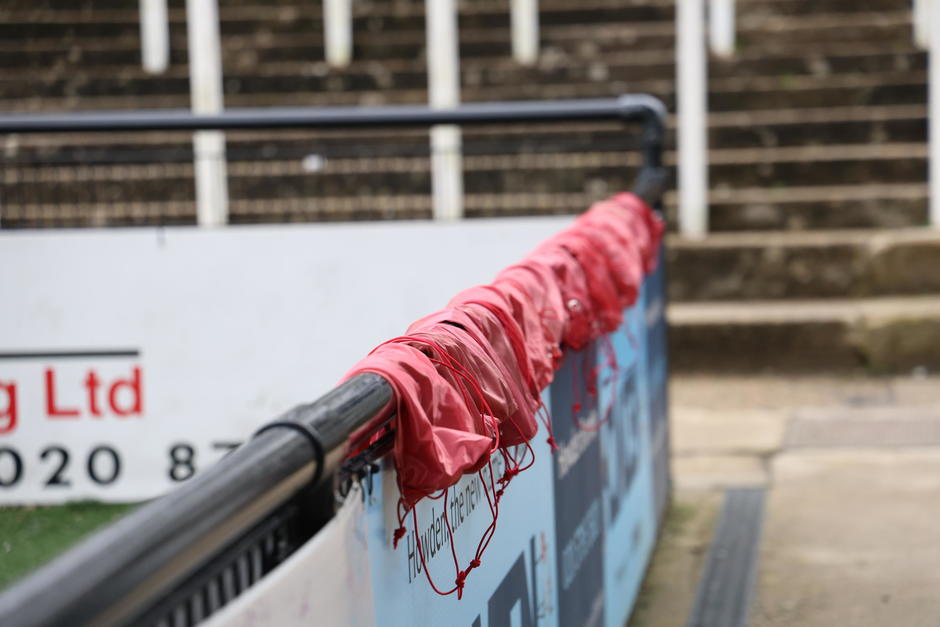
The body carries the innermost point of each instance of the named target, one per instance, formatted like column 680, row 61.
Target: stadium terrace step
column 801, row 7
column 277, row 210
column 122, row 213
column 824, row 126
column 752, row 6
column 271, row 167
column 782, row 167
column 532, row 173
column 819, row 207
column 647, row 43
column 804, row 265
column 727, row 94
column 875, row 335
column 571, row 172
column 299, row 39
column 308, row 19
column 122, row 74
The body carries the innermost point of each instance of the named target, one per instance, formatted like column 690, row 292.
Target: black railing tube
column 531, row 111
column 111, row 577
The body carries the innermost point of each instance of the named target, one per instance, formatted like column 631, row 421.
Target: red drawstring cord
column 483, row 544
column 591, row 376
column 464, row 377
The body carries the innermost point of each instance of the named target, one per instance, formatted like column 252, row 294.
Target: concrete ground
column 851, row 533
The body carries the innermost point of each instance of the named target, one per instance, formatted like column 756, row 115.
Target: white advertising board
column 132, row 359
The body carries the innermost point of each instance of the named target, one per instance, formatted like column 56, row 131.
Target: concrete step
column 823, row 126
column 267, row 174
column 270, row 36
column 726, row 94
column 804, row 265
column 533, row 174
column 307, row 18
column 500, row 161
column 801, row 7
column 749, row 6
column 782, row 167
column 875, row 335
column 95, row 59
column 280, row 210
column 123, row 73
column 892, row 205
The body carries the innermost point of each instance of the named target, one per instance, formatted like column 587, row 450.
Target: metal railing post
column 933, row 80
column 444, row 93
column 154, row 36
column 721, row 27
column 525, row 31
column 337, row 31
column 692, row 96
column 920, row 18
column 205, row 85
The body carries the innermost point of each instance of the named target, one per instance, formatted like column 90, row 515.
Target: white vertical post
column 444, row 92
column 692, row 98
column 933, row 79
column 525, row 31
column 921, row 20
column 721, row 29
column 337, row 27
column 154, row 36
column 205, row 85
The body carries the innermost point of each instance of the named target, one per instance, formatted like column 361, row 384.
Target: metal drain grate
column 727, row 584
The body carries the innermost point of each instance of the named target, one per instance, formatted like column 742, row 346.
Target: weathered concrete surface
column 803, row 394
column 851, row 538
column 669, row 588
column 813, row 264
column 728, row 431
column 852, row 468
column 878, row 335
column 718, row 472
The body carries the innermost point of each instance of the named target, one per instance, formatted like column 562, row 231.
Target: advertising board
column 132, row 359
column 575, row 532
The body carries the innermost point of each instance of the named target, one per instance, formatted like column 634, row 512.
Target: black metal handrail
column 119, row 575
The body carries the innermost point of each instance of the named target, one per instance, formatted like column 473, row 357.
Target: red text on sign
column 121, row 397
column 7, row 407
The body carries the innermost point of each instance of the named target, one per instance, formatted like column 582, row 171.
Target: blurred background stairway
column 817, row 134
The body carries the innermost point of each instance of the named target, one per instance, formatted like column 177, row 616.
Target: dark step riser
column 259, row 50
column 823, row 97
column 501, row 179
column 311, row 90
column 603, row 180
column 750, row 7
column 265, row 35
column 777, row 272
column 887, row 214
column 897, row 345
column 837, row 172
column 496, row 70
column 821, row 134
column 755, row 348
column 808, row 7
column 312, row 23
column 104, row 192
column 861, row 214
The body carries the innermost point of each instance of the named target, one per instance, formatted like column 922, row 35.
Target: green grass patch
column 31, row 536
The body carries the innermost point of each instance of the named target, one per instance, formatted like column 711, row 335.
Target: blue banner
column 575, row 532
